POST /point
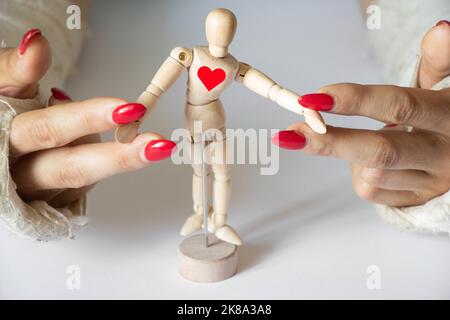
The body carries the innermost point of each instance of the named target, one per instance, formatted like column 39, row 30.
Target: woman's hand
column 390, row 166
column 55, row 152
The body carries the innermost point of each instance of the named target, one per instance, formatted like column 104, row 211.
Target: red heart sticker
column 211, row 78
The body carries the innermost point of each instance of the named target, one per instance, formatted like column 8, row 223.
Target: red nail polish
column 443, row 22
column 317, row 101
column 289, row 139
column 390, row 125
column 157, row 150
column 30, row 34
column 58, row 94
column 128, row 113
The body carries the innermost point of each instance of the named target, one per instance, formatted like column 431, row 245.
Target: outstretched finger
column 84, row 165
column 424, row 109
column 385, row 149
column 59, row 125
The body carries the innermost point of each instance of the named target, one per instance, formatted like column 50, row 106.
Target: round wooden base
column 214, row 263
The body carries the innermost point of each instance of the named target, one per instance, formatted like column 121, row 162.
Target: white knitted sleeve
column 397, row 43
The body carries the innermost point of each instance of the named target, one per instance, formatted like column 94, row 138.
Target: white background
column 306, row 233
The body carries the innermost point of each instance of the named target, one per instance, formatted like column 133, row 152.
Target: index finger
column 59, row 125
column 421, row 108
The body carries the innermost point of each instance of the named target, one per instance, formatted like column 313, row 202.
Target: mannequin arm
column 170, row 70
column 258, row 82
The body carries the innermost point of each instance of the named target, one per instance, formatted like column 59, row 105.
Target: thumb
column 435, row 64
column 22, row 67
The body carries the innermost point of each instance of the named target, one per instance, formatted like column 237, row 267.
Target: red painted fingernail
column 58, row 94
column 157, row 150
column 317, row 101
column 289, row 139
column 443, row 22
column 390, row 125
column 30, row 34
column 128, row 113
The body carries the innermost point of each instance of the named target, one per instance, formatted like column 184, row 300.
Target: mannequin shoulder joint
column 182, row 55
column 243, row 68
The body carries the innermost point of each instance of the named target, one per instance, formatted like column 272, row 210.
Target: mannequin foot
column 223, row 231
column 228, row 234
column 192, row 224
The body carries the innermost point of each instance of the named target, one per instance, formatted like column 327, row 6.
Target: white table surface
column 306, row 233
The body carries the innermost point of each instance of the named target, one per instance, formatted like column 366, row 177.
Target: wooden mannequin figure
column 211, row 69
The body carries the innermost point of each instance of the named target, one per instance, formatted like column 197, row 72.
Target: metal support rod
column 204, row 196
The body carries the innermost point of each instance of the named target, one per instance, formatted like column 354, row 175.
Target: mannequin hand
column 127, row 132
column 55, row 152
column 389, row 166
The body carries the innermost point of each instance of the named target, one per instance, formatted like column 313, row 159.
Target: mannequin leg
column 221, row 195
column 195, row 221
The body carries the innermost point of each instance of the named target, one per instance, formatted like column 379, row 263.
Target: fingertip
column 32, row 59
column 27, row 38
column 146, row 137
column 143, row 142
column 58, row 97
column 435, row 49
column 317, row 101
column 128, row 113
column 436, row 39
column 289, row 139
column 158, row 149
column 443, row 23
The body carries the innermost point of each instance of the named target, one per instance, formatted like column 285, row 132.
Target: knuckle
column 351, row 97
column 45, row 134
column 72, row 175
column 88, row 122
column 385, row 154
column 125, row 162
column 404, row 109
column 366, row 191
column 320, row 147
column 419, row 198
column 374, row 177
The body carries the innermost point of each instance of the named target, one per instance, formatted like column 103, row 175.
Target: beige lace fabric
column 403, row 25
column 37, row 220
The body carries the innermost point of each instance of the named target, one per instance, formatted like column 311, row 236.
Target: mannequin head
column 220, row 29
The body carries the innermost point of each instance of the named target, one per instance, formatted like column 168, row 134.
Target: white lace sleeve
column 403, row 25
